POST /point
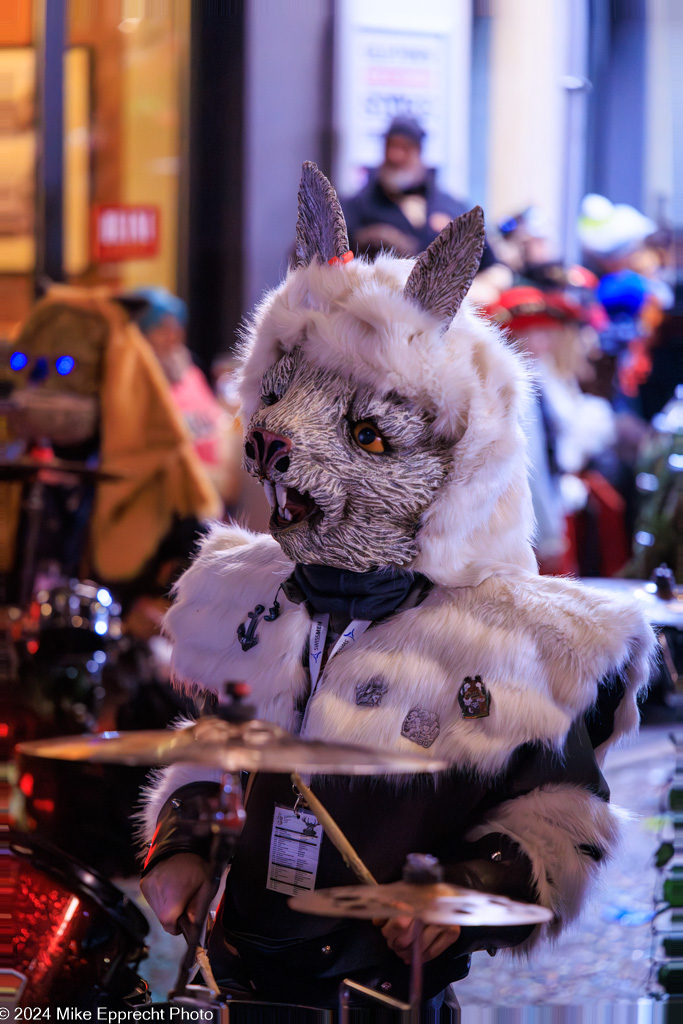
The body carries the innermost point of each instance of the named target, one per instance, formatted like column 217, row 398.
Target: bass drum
column 76, row 940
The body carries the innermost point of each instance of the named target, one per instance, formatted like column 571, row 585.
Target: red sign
column 125, row 232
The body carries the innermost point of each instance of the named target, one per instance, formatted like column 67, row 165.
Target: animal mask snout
column 268, row 450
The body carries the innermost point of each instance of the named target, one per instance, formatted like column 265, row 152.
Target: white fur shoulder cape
column 541, row 646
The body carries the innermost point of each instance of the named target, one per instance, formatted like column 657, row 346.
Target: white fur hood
column 541, row 646
column 466, row 374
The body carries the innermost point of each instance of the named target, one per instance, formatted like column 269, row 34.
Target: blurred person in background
column 212, row 426
column 523, row 245
column 402, row 208
column 632, row 258
column 568, row 431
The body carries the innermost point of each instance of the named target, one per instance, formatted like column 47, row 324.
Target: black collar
column 358, row 595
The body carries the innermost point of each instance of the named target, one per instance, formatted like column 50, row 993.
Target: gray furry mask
column 352, row 454
column 348, row 474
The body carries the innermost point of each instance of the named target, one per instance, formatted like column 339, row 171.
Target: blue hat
column 160, row 303
column 623, row 293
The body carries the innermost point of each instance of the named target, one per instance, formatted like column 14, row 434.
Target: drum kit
column 71, row 665
column 78, row 941
column 71, row 953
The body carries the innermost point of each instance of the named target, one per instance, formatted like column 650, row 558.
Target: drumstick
column 186, row 928
column 334, row 833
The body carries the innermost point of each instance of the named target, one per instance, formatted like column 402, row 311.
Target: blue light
column 104, row 597
column 18, row 360
column 65, row 365
column 100, row 628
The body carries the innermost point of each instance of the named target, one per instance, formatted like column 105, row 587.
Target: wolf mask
column 384, row 414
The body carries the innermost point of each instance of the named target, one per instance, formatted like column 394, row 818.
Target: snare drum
column 76, row 940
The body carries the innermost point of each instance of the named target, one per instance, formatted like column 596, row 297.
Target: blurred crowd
column 604, row 340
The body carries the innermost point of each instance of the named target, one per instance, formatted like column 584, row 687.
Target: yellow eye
column 369, row 438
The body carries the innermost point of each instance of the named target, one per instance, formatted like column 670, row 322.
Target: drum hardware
column 225, row 825
column 236, row 742
column 422, row 894
column 76, row 616
column 243, row 739
column 38, row 473
column 16, row 470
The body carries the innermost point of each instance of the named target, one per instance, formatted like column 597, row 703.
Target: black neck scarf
column 358, row 595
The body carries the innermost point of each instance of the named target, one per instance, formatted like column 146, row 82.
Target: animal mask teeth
column 288, row 506
column 270, row 493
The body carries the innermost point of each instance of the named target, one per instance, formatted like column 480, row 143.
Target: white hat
column 606, row 227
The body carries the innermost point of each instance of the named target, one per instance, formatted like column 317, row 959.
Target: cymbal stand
column 411, row 1011
column 34, row 506
column 419, row 869
column 225, row 824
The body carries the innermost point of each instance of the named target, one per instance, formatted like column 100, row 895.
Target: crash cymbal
column 25, row 469
column 659, row 612
column 437, row 903
column 249, row 746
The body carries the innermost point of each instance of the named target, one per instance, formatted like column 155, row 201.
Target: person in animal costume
column 83, row 380
column 384, row 421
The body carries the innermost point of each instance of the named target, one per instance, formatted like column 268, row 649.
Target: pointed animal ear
column 320, row 227
column 443, row 273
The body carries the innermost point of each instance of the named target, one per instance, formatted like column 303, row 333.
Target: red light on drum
column 26, row 784
column 46, row 806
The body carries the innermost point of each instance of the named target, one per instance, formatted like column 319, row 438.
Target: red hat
column 524, row 306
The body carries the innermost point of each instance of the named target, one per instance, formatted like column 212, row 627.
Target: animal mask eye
column 18, row 361
column 270, row 398
column 368, row 437
column 65, row 365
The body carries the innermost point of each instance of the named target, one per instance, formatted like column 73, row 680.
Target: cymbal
column 438, row 903
column 659, row 612
column 248, row 746
column 24, row 469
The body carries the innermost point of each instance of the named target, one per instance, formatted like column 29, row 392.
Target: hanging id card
column 294, row 851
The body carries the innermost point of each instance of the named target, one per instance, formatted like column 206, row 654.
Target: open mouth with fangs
column 289, row 507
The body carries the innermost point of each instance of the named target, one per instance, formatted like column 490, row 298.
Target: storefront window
column 129, row 57
column 125, row 64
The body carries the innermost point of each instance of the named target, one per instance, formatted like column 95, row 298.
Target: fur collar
column 540, row 645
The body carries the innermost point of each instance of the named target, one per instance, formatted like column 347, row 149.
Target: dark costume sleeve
column 179, row 829
column 540, row 834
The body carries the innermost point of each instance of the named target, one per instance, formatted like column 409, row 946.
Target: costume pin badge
column 474, row 699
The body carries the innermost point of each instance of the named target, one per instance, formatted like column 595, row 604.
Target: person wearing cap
column 567, row 429
column 401, row 206
column 163, row 320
